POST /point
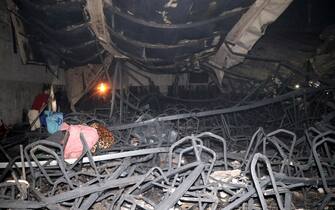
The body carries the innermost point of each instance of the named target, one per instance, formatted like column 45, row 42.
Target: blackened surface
column 171, row 34
column 59, row 33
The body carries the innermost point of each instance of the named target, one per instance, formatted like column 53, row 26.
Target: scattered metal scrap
column 160, row 165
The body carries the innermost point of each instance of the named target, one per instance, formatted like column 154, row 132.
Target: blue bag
column 54, row 120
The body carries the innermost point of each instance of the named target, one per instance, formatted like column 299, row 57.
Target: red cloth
column 39, row 101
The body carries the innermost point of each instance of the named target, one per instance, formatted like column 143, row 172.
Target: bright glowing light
column 297, row 86
column 102, row 88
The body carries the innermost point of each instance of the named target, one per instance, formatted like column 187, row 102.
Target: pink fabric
column 74, row 147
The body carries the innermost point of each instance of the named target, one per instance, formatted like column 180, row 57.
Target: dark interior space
column 167, row 104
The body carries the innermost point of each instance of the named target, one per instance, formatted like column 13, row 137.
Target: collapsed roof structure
column 163, row 36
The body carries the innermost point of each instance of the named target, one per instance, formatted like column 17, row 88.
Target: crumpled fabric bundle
column 74, row 147
column 106, row 137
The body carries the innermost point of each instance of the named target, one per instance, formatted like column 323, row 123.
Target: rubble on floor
column 199, row 159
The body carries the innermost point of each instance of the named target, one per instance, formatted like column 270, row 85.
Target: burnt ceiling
column 161, row 35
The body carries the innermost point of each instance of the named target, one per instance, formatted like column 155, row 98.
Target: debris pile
column 276, row 170
column 224, row 158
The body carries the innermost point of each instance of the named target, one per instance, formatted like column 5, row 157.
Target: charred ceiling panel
column 170, row 34
column 59, row 33
column 160, row 35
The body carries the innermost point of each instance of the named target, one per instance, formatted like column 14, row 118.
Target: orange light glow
column 102, row 88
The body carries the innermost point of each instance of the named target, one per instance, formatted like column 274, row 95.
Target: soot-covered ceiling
column 161, row 35
column 156, row 34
